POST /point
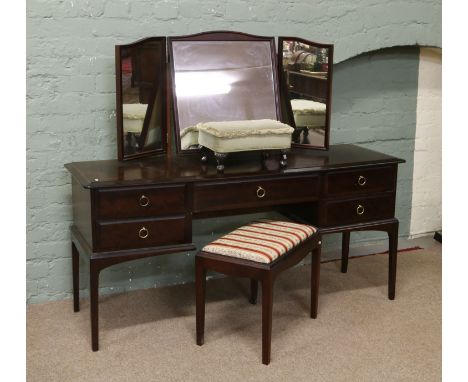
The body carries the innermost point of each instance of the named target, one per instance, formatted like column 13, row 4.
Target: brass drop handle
column 143, row 233
column 261, row 192
column 144, row 201
column 360, row 209
column 362, row 180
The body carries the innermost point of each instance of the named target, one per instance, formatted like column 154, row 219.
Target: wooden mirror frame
column 285, row 91
column 217, row 36
column 163, row 102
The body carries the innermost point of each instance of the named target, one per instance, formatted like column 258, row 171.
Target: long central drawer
column 216, row 196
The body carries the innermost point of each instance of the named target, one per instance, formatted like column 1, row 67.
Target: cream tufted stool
column 259, row 251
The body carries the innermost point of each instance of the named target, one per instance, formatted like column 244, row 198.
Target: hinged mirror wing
column 141, row 98
column 305, row 69
column 221, row 76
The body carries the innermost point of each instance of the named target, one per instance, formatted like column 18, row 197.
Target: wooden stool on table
column 259, row 251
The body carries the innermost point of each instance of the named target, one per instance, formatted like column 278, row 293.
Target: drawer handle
column 362, row 180
column 144, row 201
column 261, row 192
column 143, row 233
column 360, row 209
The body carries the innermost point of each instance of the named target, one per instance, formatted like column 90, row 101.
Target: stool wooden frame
column 257, row 272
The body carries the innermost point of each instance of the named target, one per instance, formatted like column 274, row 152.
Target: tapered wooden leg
column 94, row 302
column 315, row 281
column 345, row 251
column 253, row 291
column 267, row 312
column 200, row 287
column 392, row 259
column 76, row 278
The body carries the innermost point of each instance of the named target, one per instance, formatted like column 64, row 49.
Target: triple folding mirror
column 220, row 76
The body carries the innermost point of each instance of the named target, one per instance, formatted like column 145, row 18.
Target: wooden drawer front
column 361, row 181
column 128, row 234
column 232, row 195
column 358, row 210
column 140, row 202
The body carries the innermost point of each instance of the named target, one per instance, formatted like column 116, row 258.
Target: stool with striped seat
column 259, row 251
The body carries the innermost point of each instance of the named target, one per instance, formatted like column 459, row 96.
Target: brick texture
column 71, row 96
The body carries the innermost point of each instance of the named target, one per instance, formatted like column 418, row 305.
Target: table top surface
column 188, row 168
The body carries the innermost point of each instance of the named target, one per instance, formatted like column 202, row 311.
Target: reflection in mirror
column 140, row 95
column 226, row 80
column 306, row 83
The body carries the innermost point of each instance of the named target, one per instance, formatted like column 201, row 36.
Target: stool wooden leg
column 200, row 286
column 315, row 281
column 253, row 291
column 94, row 302
column 267, row 311
column 76, row 278
column 345, row 251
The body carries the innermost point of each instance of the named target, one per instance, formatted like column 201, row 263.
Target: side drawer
column 380, row 179
column 262, row 192
column 142, row 233
column 358, row 210
column 136, row 202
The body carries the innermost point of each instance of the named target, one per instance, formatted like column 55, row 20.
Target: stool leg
column 314, row 283
column 345, row 251
column 267, row 311
column 200, row 287
column 253, row 291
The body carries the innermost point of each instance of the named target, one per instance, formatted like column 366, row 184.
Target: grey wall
column 71, row 96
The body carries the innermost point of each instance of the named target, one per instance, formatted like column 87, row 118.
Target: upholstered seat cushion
column 133, row 117
column 262, row 241
column 234, row 136
column 189, row 137
column 308, row 113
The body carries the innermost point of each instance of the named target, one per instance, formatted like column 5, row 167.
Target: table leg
column 76, row 278
column 392, row 259
column 345, row 251
column 94, row 302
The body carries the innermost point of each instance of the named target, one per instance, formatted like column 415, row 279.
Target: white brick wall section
column 426, row 214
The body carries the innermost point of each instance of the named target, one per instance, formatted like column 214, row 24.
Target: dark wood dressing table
column 130, row 210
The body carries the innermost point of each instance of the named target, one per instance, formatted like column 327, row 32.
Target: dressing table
column 144, row 205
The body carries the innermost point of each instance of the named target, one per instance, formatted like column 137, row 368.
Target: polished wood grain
column 317, row 188
column 121, row 202
column 358, row 210
column 160, row 169
column 141, row 233
column 364, row 180
column 211, row 196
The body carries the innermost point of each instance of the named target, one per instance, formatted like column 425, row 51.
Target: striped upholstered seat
column 262, row 241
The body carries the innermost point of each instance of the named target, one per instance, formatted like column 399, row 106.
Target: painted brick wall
column 71, row 96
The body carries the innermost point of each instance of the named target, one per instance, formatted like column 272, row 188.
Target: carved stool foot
column 204, row 154
column 284, row 158
column 220, row 158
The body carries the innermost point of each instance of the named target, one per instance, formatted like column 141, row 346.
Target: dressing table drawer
column 142, row 233
column 361, row 181
column 136, row 202
column 261, row 192
column 358, row 210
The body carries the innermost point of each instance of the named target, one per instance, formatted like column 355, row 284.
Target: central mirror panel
column 221, row 76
